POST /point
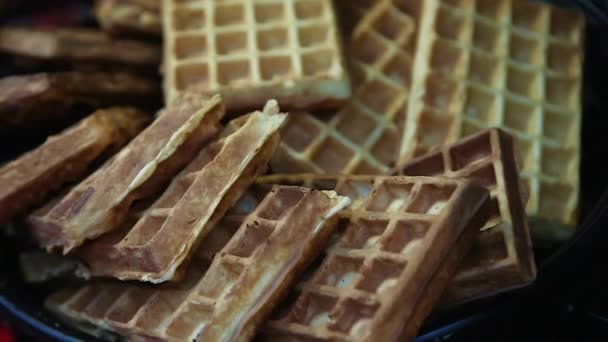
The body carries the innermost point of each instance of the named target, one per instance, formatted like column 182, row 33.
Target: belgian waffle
column 164, row 237
column 64, row 158
column 502, row 257
column 129, row 17
column 363, row 137
column 279, row 231
column 78, row 46
column 250, row 51
column 101, row 202
column 403, row 239
column 514, row 64
column 26, row 100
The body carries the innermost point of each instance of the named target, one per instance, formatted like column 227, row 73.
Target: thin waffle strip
column 77, row 45
column 64, row 158
column 153, row 248
column 276, row 236
column 363, row 137
column 26, row 100
column 101, row 202
column 514, row 64
column 402, row 235
column 129, row 17
column 250, row 51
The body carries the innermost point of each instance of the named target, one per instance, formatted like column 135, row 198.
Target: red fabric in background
column 6, row 335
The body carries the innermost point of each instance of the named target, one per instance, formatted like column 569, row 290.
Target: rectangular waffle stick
column 28, row 100
column 278, row 231
column 129, row 17
column 515, row 64
column 501, row 257
column 164, row 237
column 101, row 202
column 65, row 157
column 78, row 45
column 364, row 136
column 402, row 236
column 250, row 51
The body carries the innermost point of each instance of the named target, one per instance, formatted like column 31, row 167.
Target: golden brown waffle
column 34, row 99
column 101, row 202
column 279, row 232
column 402, row 241
column 502, row 256
column 129, row 17
column 77, row 45
column 363, row 137
column 155, row 246
column 64, row 158
column 514, row 64
column 250, row 51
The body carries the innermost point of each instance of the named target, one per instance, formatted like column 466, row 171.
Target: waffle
column 204, row 303
column 402, row 241
column 514, row 64
column 250, row 51
column 65, row 157
column 162, row 239
column 364, row 136
column 129, row 17
column 502, row 257
column 77, row 45
column 27, row 100
column 101, row 202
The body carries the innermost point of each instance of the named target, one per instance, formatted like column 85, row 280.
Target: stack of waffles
column 427, row 143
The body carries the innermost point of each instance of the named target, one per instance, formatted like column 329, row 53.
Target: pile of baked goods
column 320, row 170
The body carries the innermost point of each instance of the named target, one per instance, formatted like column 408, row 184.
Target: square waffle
column 155, row 246
column 502, row 256
column 101, row 202
column 514, row 64
column 129, row 17
column 364, row 136
column 403, row 239
column 278, row 231
column 250, row 51
column 64, row 158
column 78, row 45
column 26, row 100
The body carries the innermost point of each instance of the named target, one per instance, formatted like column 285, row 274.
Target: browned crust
column 101, row 202
column 78, row 45
column 33, row 99
column 65, row 157
column 152, row 261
